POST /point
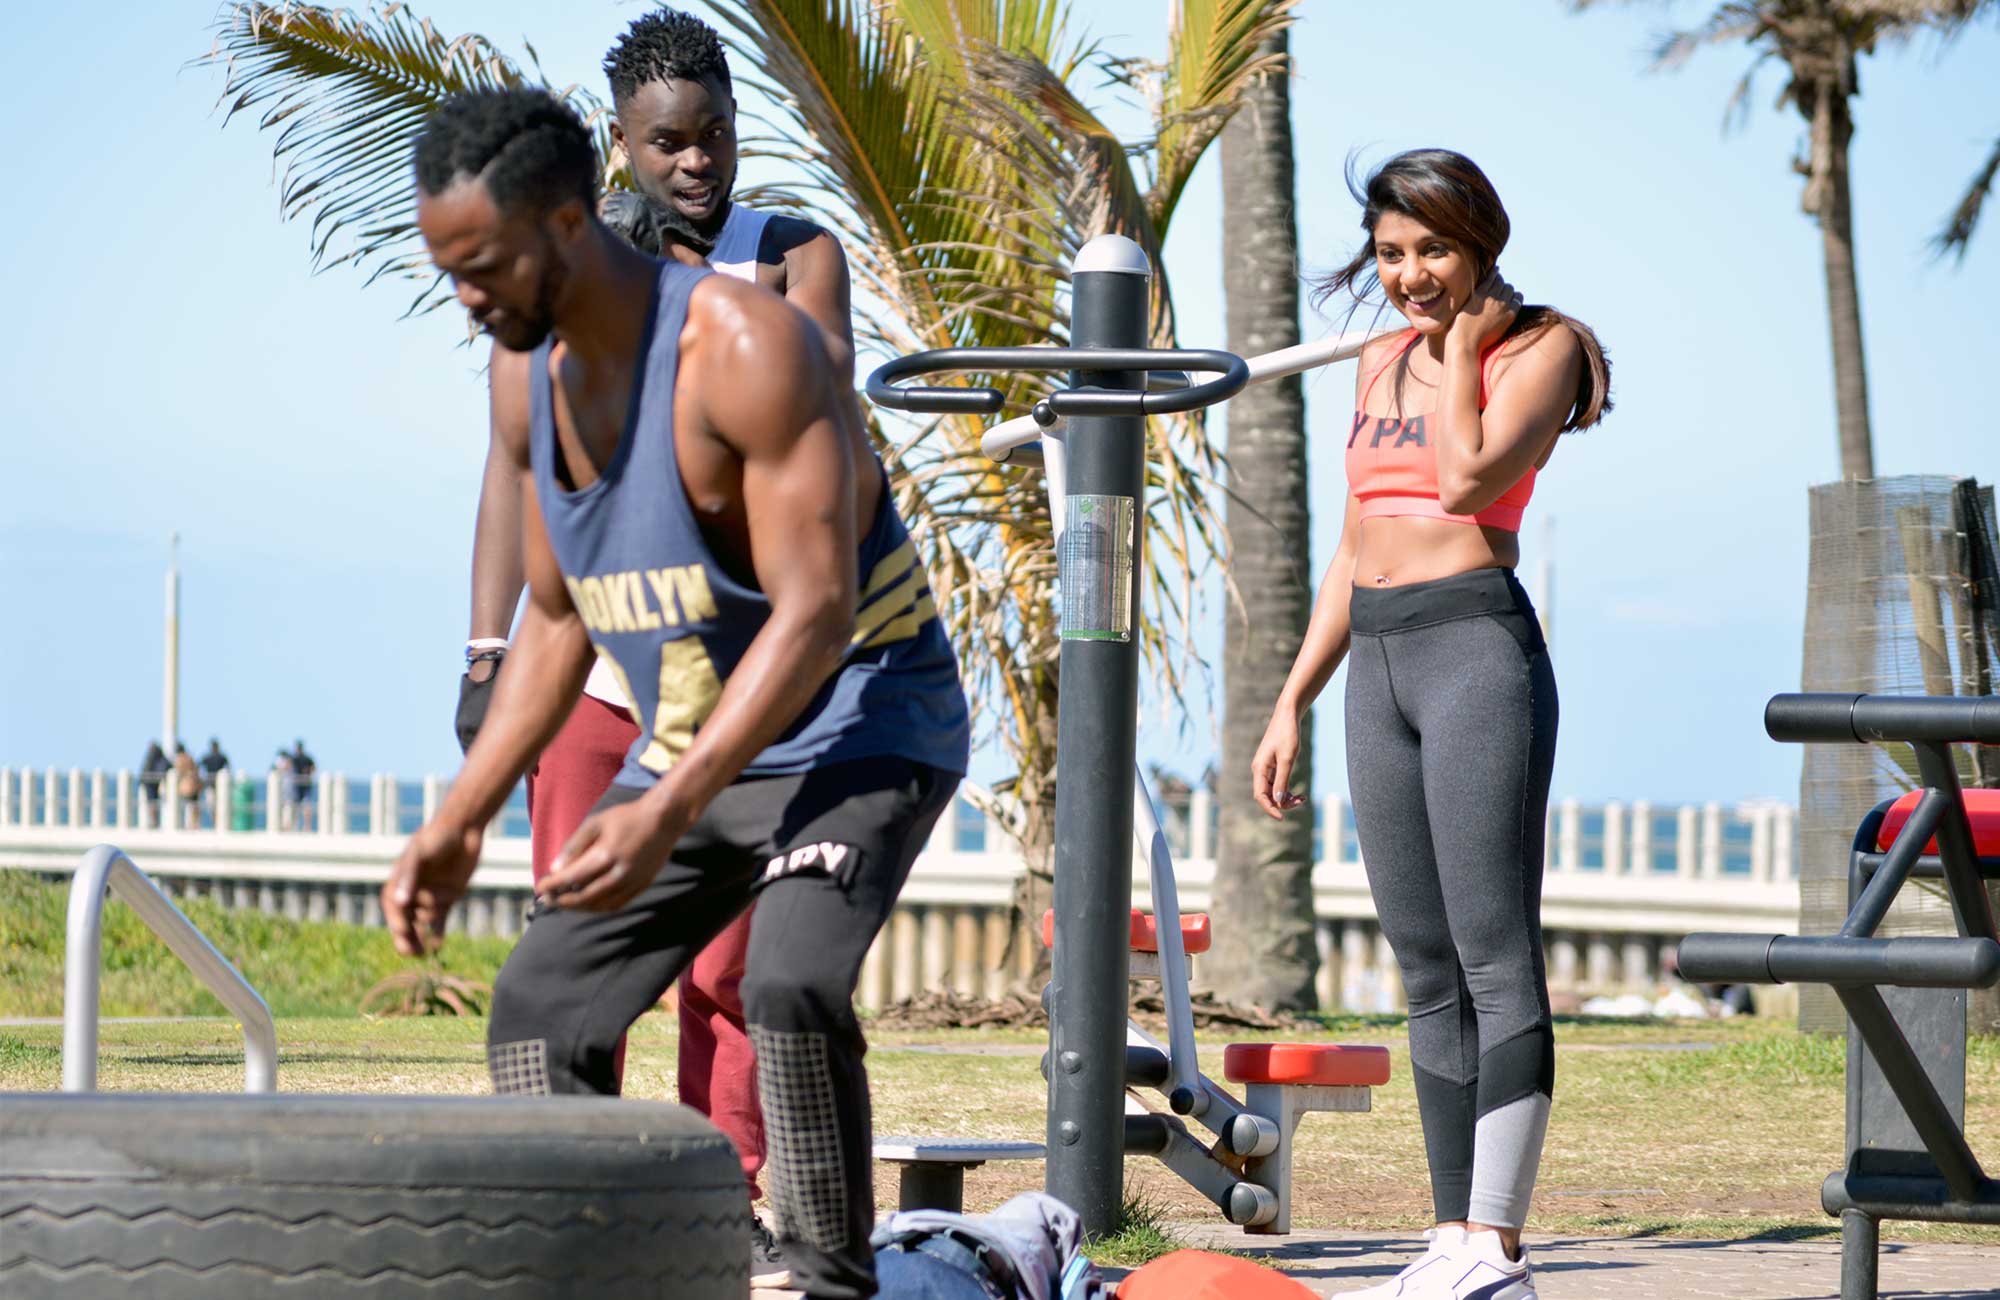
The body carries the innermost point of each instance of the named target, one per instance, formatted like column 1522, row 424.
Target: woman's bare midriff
column 1395, row 550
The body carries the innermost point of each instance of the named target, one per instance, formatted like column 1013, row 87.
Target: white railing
column 106, row 869
column 1624, row 880
column 1753, row 840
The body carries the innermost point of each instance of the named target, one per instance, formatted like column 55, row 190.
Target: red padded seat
column 1327, row 1064
column 1146, row 933
column 1982, row 807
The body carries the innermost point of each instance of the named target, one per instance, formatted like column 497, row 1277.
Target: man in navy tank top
column 707, row 519
column 676, row 122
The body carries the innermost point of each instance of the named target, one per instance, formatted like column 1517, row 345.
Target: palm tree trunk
column 1843, row 297
column 1264, row 952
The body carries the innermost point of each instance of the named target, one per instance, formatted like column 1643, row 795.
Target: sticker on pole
column 1095, row 568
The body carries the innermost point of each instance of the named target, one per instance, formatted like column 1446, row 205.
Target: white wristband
column 486, row 643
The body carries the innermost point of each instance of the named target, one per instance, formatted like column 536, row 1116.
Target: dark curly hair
column 527, row 146
column 665, row 45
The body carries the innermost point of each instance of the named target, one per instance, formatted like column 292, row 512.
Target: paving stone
column 1639, row 1268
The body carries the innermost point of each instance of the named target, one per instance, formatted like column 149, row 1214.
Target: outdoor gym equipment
column 1095, row 465
column 202, row 1197
column 1907, row 1156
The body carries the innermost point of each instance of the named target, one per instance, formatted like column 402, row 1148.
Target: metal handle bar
column 1920, row 963
column 107, row 868
column 1233, row 373
column 1936, row 718
column 1002, row 440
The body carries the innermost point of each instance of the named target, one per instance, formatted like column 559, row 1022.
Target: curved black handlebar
column 1973, row 719
column 1232, row 371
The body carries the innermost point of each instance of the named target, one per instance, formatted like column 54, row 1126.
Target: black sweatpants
column 1451, row 737
column 825, row 853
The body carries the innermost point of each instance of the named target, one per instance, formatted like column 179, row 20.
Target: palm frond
column 1214, row 54
column 1729, row 24
column 1956, row 235
column 347, row 94
column 1736, row 109
column 1036, row 29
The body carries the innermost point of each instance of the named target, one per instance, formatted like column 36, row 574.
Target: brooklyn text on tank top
column 735, row 255
column 670, row 623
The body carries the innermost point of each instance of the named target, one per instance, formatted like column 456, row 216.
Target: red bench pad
column 1328, row 1064
column 1146, row 933
column 1982, row 807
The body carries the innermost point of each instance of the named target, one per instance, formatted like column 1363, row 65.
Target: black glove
column 647, row 226
column 473, row 699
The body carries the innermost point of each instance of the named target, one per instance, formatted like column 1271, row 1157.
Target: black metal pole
column 1095, row 739
column 1860, row 1255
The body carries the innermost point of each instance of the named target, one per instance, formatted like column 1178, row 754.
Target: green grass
column 1704, row 1129
column 1142, row 1234
column 303, row 968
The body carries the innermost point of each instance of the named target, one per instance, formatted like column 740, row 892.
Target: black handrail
column 1232, row 371
column 1964, row 719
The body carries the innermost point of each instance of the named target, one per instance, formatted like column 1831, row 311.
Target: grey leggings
column 1451, row 735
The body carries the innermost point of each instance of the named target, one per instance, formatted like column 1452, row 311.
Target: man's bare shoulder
column 722, row 309
column 756, row 361
column 508, row 375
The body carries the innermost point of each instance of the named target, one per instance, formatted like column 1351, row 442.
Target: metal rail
column 106, row 868
column 1002, row 440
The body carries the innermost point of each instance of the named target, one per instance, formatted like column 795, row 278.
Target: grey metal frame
column 107, row 870
column 1907, row 1157
column 1090, row 437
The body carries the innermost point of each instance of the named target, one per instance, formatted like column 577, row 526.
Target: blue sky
column 172, row 364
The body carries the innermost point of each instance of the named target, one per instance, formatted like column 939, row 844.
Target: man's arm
column 817, row 283
column 497, row 576
column 550, row 657
column 798, row 496
column 496, row 541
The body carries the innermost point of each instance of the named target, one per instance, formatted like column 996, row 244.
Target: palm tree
column 1819, row 42
column 1264, row 952
column 943, row 141
column 1956, row 236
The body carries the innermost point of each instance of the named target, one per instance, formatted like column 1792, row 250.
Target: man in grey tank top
column 676, row 121
column 773, row 486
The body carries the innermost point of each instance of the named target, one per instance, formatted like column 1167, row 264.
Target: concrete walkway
column 1628, row 1268
column 1639, row 1268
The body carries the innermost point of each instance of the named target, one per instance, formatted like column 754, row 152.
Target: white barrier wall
column 1624, row 881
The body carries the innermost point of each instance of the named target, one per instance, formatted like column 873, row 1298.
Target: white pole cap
column 1112, row 253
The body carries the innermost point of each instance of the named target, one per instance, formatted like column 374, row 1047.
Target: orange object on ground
column 1146, row 932
column 1198, row 1275
column 1327, row 1064
column 1982, row 807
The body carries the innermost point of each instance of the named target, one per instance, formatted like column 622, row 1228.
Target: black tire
column 165, row 1197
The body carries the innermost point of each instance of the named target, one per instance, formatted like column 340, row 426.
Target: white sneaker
column 1458, row 1267
column 1485, row 1272
column 1422, row 1277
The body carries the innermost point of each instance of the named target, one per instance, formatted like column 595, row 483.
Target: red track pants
column 717, row 1072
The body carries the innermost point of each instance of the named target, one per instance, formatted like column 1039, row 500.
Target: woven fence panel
column 1895, row 605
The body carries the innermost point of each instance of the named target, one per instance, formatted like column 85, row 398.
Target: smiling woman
column 1451, row 699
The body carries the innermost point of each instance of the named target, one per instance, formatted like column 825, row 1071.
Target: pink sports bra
column 1392, row 466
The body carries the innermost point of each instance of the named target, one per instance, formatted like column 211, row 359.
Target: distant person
column 187, row 784
column 151, row 769
column 1451, row 698
column 285, row 815
column 303, row 772
column 213, row 763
